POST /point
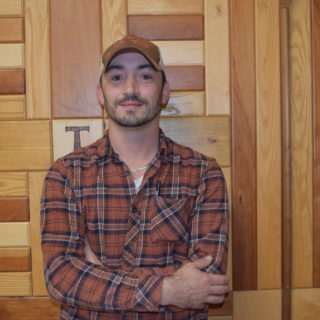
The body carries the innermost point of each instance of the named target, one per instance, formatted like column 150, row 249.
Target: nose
column 131, row 85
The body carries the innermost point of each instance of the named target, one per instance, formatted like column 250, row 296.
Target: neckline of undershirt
column 137, row 183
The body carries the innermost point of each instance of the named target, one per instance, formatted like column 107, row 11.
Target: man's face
column 131, row 90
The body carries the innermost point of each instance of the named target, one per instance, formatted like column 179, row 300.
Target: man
column 134, row 226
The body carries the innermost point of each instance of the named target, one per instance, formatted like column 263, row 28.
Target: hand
column 89, row 254
column 191, row 288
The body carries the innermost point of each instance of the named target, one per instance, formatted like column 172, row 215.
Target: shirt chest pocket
column 170, row 221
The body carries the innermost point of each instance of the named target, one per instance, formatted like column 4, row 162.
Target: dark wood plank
column 12, row 81
column 75, row 57
column 226, row 309
column 167, row 27
column 284, row 3
column 15, row 260
column 14, row 209
column 11, row 30
column 190, row 78
column 243, row 101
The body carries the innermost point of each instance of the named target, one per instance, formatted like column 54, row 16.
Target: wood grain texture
column 11, row 7
column 222, row 310
column 268, row 143
column 25, row 145
column 35, row 187
column 306, row 304
column 302, row 178
column 11, row 30
column 12, row 107
column 217, row 57
column 114, row 21
column 75, row 57
column 285, row 3
column 14, row 209
column 190, row 52
column 14, row 234
column 15, row 259
column 37, row 59
column 189, row 78
column 165, row 6
column 13, row 184
column 15, row 284
column 160, row 27
column 12, row 81
column 244, row 165
column 11, row 55
column 210, row 136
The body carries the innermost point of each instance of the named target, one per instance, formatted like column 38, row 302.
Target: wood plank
column 190, row 52
column 15, row 259
column 14, row 234
column 37, row 59
column 13, row 184
column 285, row 3
column 186, row 27
column 185, row 78
column 268, row 143
column 306, row 304
column 222, row 310
column 210, row 136
column 114, row 21
column 11, row 55
column 25, row 145
column 301, row 108
column 12, row 107
column 75, row 28
column 15, row 284
column 243, row 103
column 185, row 104
column 35, row 186
column 217, row 57
column 165, row 6
column 11, row 8
column 14, row 209
column 29, row 308
column 12, row 81
column 11, row 30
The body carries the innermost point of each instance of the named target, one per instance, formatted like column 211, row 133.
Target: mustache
column 131, row 97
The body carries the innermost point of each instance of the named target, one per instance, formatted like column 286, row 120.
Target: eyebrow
column 121, row 67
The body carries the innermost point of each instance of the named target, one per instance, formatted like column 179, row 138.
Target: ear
column 165, row 93
column 100, row 94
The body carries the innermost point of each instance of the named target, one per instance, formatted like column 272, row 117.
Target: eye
column 145, row 77
column 116, row 77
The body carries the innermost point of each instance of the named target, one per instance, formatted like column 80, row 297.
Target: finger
column 218, row 279
column 215, row 299
column 202, row 262
column 219, row 290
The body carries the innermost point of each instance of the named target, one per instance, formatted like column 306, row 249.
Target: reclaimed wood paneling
column 217, row 57
column 25, row 145
column 305, row 304
column 14, row 209
column 165, row 6
column 11, row 7
column 13, row 184
column 15, row 284
column 15, row 259
column 11, row 30
column 11, row 55
column 244, row 166
column 185, row 78
column 222, row 310
column 268, row 144
column 301, row 107
column 210, row 136
column 37, row 59
column 160, row 27
column 12, row 81
column 75, row 57
column 12, row 107
column 14, row 234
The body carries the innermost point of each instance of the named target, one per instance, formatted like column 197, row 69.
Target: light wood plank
column 217, row 57
column 185, row 103
column 14, row 209
column 37, row 59
column 268, row 144
column 12, row 55
column 210, row 136
column 12, row 81
column 220, row 318
column 35, row 186
column 14, row 234
column 25, row 145
column 13, row 184
column 306, row 304
column 190, row 52
column 12, row 107
column 15, row 284
column 11, row 30
column 301, row 108
column 114, row 21
column 165, row 6
column 15, row 259
column 11, row 7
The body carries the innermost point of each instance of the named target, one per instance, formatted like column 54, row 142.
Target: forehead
column 129, row 59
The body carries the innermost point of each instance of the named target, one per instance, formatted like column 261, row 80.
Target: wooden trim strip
column 15, row 259
column 14, row 209
column 12, row 81
column 11, row 30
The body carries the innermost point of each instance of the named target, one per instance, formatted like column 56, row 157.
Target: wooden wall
column 226, row 86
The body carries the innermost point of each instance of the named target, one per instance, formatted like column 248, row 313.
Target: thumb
column 202, row 262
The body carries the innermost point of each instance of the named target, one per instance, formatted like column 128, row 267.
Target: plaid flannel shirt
column 179, row 214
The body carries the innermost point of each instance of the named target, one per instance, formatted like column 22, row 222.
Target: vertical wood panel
column 268, row 144
column 11, row 7
column 37, row 58
column 217, row 59
column 301, row 103
column 244, row 145
column 305, row 304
